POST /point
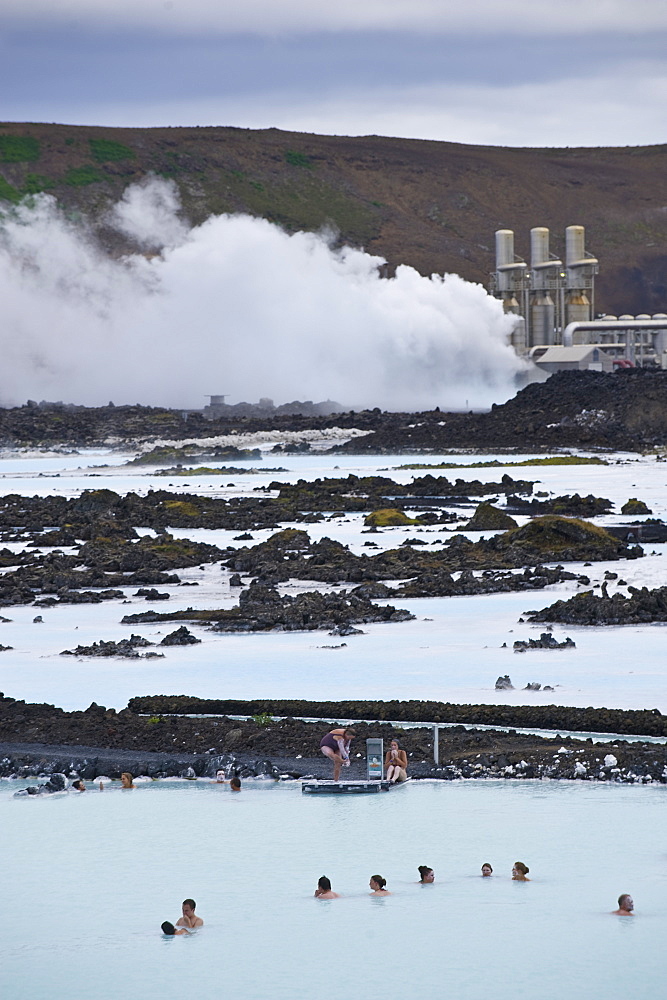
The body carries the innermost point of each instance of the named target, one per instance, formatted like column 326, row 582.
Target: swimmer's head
column 520, row 869
column 324, row 883
column 79, row 785
column 168, row 929
column 126, row 779
column 235, row 784
column 625, row 902
column 188, row 907
column 487, row 869
column 377, row 882
column 426, row 874
column 219, row 775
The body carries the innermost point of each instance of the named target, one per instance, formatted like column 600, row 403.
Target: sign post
column 374, row 759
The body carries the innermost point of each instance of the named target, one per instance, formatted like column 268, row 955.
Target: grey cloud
column 268, row 17
column 623, row 106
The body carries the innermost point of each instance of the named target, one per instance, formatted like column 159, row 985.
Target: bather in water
column 169, row 930
column 625, row 906
column 324, row 890
column 377, row 885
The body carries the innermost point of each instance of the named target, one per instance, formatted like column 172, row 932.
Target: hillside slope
column 434, row 205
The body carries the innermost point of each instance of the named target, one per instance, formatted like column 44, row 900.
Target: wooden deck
column 346, row 787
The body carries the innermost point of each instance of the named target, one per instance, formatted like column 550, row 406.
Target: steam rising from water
column 232, row 306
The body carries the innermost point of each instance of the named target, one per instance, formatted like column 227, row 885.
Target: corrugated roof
column 580, row 352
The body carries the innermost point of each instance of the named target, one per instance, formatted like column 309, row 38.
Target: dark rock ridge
column 442, row 584
column 290, row 554
column 82, row 426
column 126, row 648
column 269, row 748
column 163, row 455
column 640, row 607
column 262, row 609
column 362, row 493
column 634, row 506
column 647, row 722
column 101, row 562
column 545, row 641
column 489, row 518
column 216, row 470
column 625, row 410
column 180, row 637
column 566, row 506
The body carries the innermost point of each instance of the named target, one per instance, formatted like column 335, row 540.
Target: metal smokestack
column 543, row 271
column 581, row 271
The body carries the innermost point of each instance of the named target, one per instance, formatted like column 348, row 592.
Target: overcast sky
column 518, row 73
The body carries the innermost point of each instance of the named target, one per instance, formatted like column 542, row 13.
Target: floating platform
column 345, row 787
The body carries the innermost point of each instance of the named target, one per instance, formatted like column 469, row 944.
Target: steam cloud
column 232, row 306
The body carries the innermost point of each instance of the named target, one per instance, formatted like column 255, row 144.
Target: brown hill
column 434, row 205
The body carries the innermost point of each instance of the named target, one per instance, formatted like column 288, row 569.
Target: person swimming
column 520, row 871
column 126, row 780
column 625, row 906
column 170, row 930
column 324, row 890
column 235, row 784
column 426, row 875
column 189, row 920
column 377, row 886
column 219, row 778
column 487, row 870
column 78, row 785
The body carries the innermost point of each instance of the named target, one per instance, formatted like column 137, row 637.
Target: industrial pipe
column 615, row 324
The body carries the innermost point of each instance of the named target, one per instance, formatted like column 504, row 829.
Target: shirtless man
column 625, row 906
column 324, row 890
column 189, row 920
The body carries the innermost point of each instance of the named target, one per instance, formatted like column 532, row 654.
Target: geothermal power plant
column 554, row 304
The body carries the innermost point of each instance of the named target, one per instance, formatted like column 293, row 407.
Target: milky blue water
column 87, row 880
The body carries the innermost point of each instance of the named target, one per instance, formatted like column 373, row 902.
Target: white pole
column 436, row 744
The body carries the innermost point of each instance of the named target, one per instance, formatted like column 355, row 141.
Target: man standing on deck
column 189, row 920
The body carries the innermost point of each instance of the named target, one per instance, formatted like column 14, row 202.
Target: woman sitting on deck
column 396, row 763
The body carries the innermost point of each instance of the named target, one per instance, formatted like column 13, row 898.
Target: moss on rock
column 489, row 518
column 562, row 535
column 634, row 506
column 388, row 517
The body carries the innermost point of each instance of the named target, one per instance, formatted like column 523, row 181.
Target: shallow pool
column 87, row 880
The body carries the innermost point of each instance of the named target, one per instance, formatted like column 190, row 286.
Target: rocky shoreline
column 625, row 410
column 38, row 740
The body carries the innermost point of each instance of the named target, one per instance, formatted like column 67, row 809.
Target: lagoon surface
column 88, row 878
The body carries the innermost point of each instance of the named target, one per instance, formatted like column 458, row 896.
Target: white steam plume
column 233, row 306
